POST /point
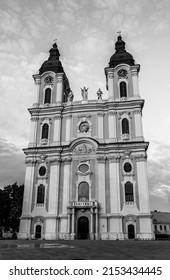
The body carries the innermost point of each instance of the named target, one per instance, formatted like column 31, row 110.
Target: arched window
column 47, row 98
column 129, row 192
column 45, row 129
column 125, row 126
column 40, row 194
column 83, row 191
column 123, row 90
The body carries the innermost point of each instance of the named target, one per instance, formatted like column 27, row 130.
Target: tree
column 11, row 198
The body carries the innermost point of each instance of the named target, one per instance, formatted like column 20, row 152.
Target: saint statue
column 84, row 93
column 99, row 94
column 70, row 96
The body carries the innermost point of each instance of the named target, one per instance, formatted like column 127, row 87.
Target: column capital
column 135, row 69
column 37, row 79
column 68, row 116
column 114, row 158
column 34, row 119
column 101, row 114
column 30, row 161
column 54, row 161
column 140, row 157
column 67, row 160
column 57, row 117
column 137, row 111
column 101, row 159
column 112, row 113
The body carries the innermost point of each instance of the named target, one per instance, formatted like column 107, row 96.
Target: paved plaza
column 84, row 249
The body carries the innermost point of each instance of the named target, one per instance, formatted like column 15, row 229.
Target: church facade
column 86, row 162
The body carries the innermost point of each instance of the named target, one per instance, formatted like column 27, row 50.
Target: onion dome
column 121, row 55
column 53, row 63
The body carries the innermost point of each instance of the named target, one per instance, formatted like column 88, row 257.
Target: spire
column 120, row 45
column 54, row 52
column 120, row 55
column 53, row 63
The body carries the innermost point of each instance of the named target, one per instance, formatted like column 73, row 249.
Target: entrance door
column 38, row 232
column 83, row 228
column 131, row 232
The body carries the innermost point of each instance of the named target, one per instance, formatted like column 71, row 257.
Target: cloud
column 159, row 175
column 12, row 164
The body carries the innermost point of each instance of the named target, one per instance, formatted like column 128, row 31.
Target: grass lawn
column 84, row 249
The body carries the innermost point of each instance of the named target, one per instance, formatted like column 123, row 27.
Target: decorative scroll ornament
column 84, row 149
column 48, row 80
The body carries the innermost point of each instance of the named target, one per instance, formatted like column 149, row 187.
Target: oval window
column 42, row 170
column 83, row 168
column 127, row 167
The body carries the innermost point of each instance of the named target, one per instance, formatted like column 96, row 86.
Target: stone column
column 141, row 168
column 91, row 224
column 97, row 224
column 53, row 199
column 114, row 183
column 68, row 224
column 144, row 206
column 72, row 224
column 57, row 130
column 66, row 183
column 138, row 125
column 68, row 127
column 37, row 93
column 33, row 132
column 112, row 124
column 100, row 125
column 101, row 183
column 59, row 94
column 134, row 72
column 110, row 75
column 25, row 222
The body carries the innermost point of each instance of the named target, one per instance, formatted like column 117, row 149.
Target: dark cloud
column 11, row 164
column 159, row 175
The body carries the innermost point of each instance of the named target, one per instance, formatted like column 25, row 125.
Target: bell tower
column 40, row 205
column 128, row 142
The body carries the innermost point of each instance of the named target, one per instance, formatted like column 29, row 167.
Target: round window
column 83, row 168
column 42, row 170
column 84, row 126
column 127, row 167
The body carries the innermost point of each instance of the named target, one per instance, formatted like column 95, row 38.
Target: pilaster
column 33, row 131
column 112, row 124
column 101, row 183
column 37, row 80
column 68, row 127
column 110, row 76
column 100, row 125
column 114, row 183
column 59, row 94
column 138, row 125
column 135, row 83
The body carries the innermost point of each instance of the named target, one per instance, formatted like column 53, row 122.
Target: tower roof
column 53, row 63
column 121, row 55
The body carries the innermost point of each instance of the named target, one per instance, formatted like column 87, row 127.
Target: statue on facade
column 99, row 94
column 84, row 93
column 70, row 96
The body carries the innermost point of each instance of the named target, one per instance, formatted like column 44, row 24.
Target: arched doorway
column 83, row 228
column 131, row 231
column 38, row 232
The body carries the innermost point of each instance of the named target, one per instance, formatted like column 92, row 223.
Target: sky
column 86, row 32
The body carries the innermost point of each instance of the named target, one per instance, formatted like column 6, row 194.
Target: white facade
column 86, row 173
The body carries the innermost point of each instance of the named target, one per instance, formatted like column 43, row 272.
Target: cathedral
column 86, row 161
